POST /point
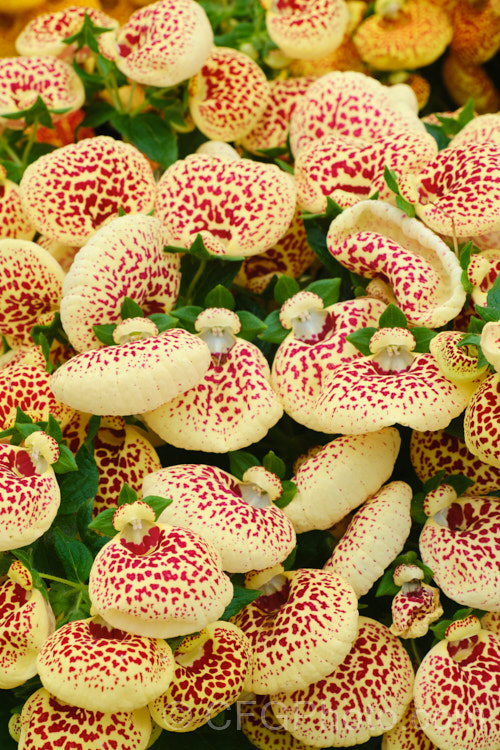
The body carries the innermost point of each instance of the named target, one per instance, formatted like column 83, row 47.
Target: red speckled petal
column 132, row 377
column 375, row 239
column 307, row 30
column 176, row 589
column 271, row 129
column 26, row 620
column 363, row 697
column 44, row 34
column 71, row 192
column 228, row 95
column 348, row 170
column 209, row 674
column 407, row 734
column 24, row 383
column 48, row 723
column 349, row 104
column 23, row 79
column 240, row 207
column 374, row 538
column 459, row 191
column 260, row 726
column 481, row 422
column 461, row 546
column 207, row 501
column 300, row 368
column 482, row 129
column 341, row 476
column 163, row 43
column 433, row 451
column 358, row 397
column 232, row 407
column 291, row 255
column 87, row 664
column 14, row 222
column 31, row 287
column 309, row 635
column 28, row 503
column 457, row 698
column 123, row 259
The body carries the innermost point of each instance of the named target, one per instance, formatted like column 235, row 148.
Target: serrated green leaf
column 149, row 133
column 103, row 522
column 240, row 461
column 157, row 503
column 77, row 488
column 327, row 289
column 104, row 333
column 66, row 461
column 274, row 333
column 74, row 556
column 130, row 309
column 361, row 339
column 285, row 288
column 241, row 597
column 127, row 495
column 251, row 325
column 290, row 489
column 392, row 317
column 423, row 337
column 274, row 464
column 163, row 321
column 220, row 296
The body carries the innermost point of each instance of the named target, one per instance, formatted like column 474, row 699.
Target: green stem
column 109, row 81
column 50, row 577
column 11, row 153
column 194, row 281
column 29, row 145
column 417, row 659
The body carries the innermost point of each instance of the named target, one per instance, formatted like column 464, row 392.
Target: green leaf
column 272, row 153
column 285, row 166
column 251, row 325
column 327, row 289
column 130, row 309
column 157, row 503
column 290, row 489
column 21, row 417
column 332, row 208
column 77, row 488
column 439, row 629
column 69, row 603
column 54, row 429
column 74, row 556
column 476, row 325
column 361, row 339
column 285, row 288
column 459, row 482
column 163, row 321
column 98, row 113
column 103, row 522
column 392, row 317
column 465, row 256
column 386, row 586
column 274, row 332
column 198, row 248
column 220, row 296
column 466, row 114
column 38, row 112
column 187, row 315
column 406, row 206
column 274, row 464
column 289, row 561
column 92, row 429
column 423, row 336
column 87, row 35
column 241, row 597
column 127, row 495
column 93, row 541
column 434, row 482
column 104, row 333
column 240, row 461
column 66, row 461
column 438, row 134
column 417, row 508
column 149, row 132
column 316, row 239
column 391, row 180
